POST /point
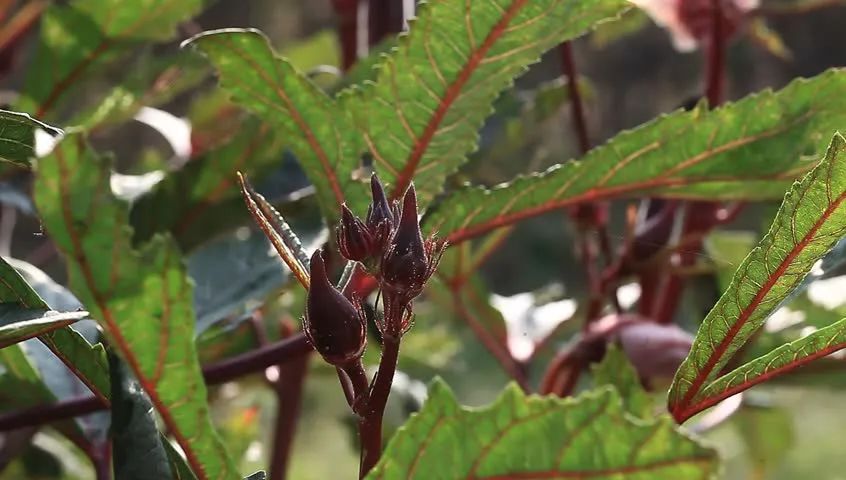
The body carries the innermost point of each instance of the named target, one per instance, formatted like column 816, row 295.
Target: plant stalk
column 289, row 394
column 370, row 423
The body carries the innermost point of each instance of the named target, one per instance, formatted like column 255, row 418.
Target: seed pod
column 334, row 325
column 354, row 238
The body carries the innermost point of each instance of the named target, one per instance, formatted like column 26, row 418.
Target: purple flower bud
column 408, row 262
column 354, row 238
column 380, row 217
column 334, row 325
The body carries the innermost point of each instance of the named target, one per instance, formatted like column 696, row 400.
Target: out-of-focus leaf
column 761, row 33
column 727, row 249
column 17, row 137
column 539, row 437
column 138, row 453
column 141, row 298
column 616, row 370
column 322, row 136
column 81, row 37
column 191, row 199
column 432, row 93
column 153, row 81
column 19, row 323
column 767, row 433
column 629, row 23
column 811, row 220
column 751, row 149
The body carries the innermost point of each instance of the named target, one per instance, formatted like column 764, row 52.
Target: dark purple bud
column 335, row 326
column 405, row 262
column 354, row 238
column 380, row 218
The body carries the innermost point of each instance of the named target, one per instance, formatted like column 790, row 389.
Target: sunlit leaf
column 539, row 437
column 433, row 92
column 322, row 136
column 811, row 220
column 749, row 150
column 142, row 298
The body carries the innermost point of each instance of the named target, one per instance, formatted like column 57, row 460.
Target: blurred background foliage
column 630, row 74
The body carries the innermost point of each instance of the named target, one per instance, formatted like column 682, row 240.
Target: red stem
column 289, row 394
column 370, row 424
column 699, row 219
column 347, row 13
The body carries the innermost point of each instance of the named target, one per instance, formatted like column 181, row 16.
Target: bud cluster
column 391, row 247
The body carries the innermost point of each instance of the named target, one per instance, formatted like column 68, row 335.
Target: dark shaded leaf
column 137, row 450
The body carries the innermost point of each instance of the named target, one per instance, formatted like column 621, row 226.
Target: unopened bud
column 334, row 325
column 354, row 239
column 409, row 260
column 380, row 217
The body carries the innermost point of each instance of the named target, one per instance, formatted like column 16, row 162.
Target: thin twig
column 254, row 361
column 289, row 393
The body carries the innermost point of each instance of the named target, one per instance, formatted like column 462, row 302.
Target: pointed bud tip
column 409, row 206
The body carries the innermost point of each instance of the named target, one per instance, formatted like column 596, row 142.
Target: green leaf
column 137, row 449
column 749, row 150
column 818, row 344
column 152, row 81
column 19, row 323
column 81, row 37
column 86, row 361
column 142, row 298
column 433, row 91
column 193, row 202
column 539, row 437
column 17, row 137
column 616, row 370
column 811, row 220
column 320, row 134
